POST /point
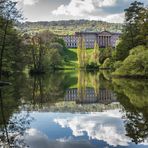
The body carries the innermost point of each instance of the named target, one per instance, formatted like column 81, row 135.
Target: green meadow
column 71, row 60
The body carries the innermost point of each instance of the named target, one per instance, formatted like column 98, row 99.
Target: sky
column 54, row 10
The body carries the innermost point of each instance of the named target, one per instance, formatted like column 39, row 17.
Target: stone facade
column 89, row 96
column 104, row 39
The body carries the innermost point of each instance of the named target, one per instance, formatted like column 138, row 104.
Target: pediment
column 104, row 33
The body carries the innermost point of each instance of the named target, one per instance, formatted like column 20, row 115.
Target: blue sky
column 53, row 10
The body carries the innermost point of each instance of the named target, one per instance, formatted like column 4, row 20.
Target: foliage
column 96, row 53
column 132, row 49
column 105, row 53
column 70, row 26
column 117, row 64
column 92, row 66
column 108, row 63
column 45, row 50
column 135, row 64
column 9, row 39
column 134, row 31
column 81, row 53
column 132, row 94
column 52, row 58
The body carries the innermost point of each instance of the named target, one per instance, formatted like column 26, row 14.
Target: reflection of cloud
column 27, row 2
column 106, row 126
column 36, row 139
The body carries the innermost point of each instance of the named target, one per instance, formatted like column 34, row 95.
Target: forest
column 70, row 26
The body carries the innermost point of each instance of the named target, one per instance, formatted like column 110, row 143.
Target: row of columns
column 104, row 41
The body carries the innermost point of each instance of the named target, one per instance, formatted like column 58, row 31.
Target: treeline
column 70, row 26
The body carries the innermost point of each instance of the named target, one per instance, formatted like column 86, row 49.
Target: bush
column 92, row 65
column 136, row 64
column 117, row 64
column 108, row 63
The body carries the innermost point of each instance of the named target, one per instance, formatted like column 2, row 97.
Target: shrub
column 136, row 64
column 108, row 63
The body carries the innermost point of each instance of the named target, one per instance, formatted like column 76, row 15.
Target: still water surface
column 74, row 109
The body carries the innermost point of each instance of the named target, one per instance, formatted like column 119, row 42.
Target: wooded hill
column 70, row 26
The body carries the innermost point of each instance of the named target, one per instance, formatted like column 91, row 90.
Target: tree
column 56, row 45
column 52, row 58
column 133, row 21
column 96, row 53
column 105, row 53
column 134, row 30
column 46, row 52
column 136, row 64
column 81, row 52
column 9, row 14
column 83, row 56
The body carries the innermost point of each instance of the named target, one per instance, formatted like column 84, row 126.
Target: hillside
column 70, row 26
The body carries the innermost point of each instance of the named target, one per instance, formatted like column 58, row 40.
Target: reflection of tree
column 14, row 127
column 87, row 80
column 81, row 85
column 4, row 122
column 133, row 96
column 96, row 83
column 47, row 89
column 136, row 126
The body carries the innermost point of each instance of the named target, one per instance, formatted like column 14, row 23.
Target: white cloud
column 30, row 2
column 75, row 8
column 81, row 7
column 115, row 18
column 104, row 3
column 88, row 9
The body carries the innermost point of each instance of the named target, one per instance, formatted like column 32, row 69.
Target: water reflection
column 104, row 126
column 133, row 95
column 12, row 127
column 74, row 109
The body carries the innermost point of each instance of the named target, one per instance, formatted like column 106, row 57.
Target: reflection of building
column 104, row 39
column 104, row 96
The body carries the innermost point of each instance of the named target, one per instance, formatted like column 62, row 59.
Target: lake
column 74, row 109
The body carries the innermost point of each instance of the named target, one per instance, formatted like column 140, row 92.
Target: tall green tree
column 8, row 16
column 134, row 30
column 45, row 50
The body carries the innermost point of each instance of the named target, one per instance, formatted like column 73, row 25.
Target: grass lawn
column 71, row 57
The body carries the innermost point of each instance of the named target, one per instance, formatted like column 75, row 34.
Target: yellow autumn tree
column 96, row 53
column 81, row 53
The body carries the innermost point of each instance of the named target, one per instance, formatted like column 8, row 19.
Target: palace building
column 89, row 96
column 104, row 39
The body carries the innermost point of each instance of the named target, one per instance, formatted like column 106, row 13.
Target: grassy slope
column 71, row 57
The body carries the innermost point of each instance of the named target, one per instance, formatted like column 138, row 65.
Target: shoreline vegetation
column 43, row 51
